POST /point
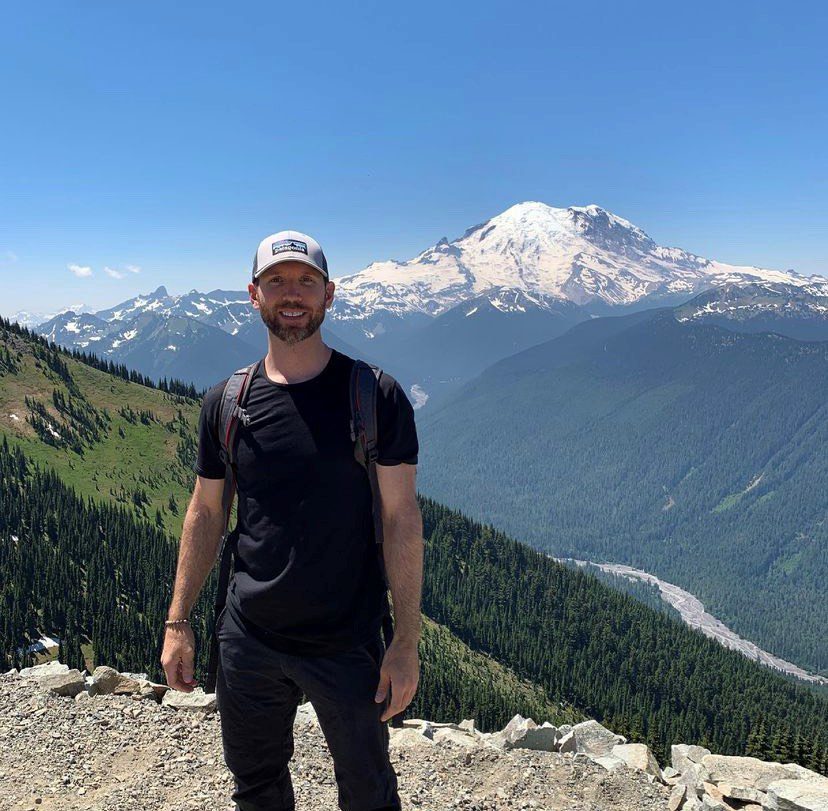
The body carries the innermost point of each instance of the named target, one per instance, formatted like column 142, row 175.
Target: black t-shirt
column 307, row 578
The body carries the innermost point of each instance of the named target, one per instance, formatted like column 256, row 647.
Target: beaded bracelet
column 171, row 623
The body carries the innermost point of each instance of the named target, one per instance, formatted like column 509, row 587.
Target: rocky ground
column 110, row 741
column 119, row 752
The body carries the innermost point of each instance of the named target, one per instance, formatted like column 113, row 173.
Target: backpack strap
column 364, row 383
column 365, row 379
column 231, row 412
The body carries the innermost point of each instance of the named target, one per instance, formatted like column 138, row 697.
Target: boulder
column 195, row 701
column 46, row 669
column 108, row 681
column 694, row 777
column 69, row 683
column 455, row 736
column 798, row 795
column 406, row 738
column 743, row 793
column 609, row 762
column 514, row 734
column 638, row 756
column 590, row 737
column 677, row 796
column 745, row 772
column 714, row 799
column 683, row 754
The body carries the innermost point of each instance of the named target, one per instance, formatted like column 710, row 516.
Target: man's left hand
column 399, row 673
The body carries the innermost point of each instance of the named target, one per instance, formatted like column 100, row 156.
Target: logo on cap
column 291, row 245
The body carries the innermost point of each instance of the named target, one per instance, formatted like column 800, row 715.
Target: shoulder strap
column 231, row 410
column 364, row 384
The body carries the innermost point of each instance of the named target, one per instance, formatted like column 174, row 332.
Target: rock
column 423, row 727
column 692, row 803
column 677, row 796
column 524, row 733
column 714, row 798
column 467, row 725
column 136, row 676
column 694, row 777
column 682, row 755
column 456, row 736
column 195, row 701
column 711, row 804
column 108, row 681
column 669, row 771
column 306, row 714
column 68, row 683
column 742, row 793
column 10, row 674
column 746, row 772
column 46, row 669
column 404, row 738
column 609, row 762
column 798, row 795
column 160, row 690
column 590, row 737
column 638, row 756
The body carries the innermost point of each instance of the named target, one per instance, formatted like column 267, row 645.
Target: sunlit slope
column 105, row 436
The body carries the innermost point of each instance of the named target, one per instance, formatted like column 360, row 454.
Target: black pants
column 257, row 693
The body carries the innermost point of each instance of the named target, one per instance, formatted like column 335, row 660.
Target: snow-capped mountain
column 585, row 255
column 797, row 311
column 520, row 278
column 32, row 320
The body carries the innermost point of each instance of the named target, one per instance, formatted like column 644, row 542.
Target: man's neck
column 293, row 364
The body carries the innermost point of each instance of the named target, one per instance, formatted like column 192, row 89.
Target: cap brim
column 279, row 259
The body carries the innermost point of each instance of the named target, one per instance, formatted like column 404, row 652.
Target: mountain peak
column 160, row 291
column 583, row 254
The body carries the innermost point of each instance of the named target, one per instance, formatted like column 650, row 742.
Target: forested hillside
column 641, row 672
column 686, row 450
column 99, row 579
column 109, row 432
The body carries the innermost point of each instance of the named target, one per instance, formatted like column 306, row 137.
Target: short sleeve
column 396, row 430
column 208, row 462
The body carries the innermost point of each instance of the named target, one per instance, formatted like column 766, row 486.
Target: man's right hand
column 178, row 656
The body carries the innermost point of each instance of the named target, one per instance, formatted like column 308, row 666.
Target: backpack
column 363, row 423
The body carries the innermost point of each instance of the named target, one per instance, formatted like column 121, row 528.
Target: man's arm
column 200, row 539
column 402, row 526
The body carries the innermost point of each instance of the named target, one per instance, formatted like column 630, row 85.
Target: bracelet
column 171, row 623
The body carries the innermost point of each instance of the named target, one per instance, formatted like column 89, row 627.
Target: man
column 305, row 603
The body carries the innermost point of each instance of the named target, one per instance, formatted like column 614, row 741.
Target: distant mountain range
column 434, row 321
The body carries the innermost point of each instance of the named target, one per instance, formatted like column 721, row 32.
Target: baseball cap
column 289, row 246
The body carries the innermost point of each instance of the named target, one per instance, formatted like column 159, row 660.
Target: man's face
column 287, row 288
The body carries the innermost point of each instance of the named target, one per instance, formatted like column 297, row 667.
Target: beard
column 284, row 329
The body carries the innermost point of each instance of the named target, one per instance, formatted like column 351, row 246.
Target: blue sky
column 171, row 138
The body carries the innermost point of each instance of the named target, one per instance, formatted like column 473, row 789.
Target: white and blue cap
column 289, row 246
